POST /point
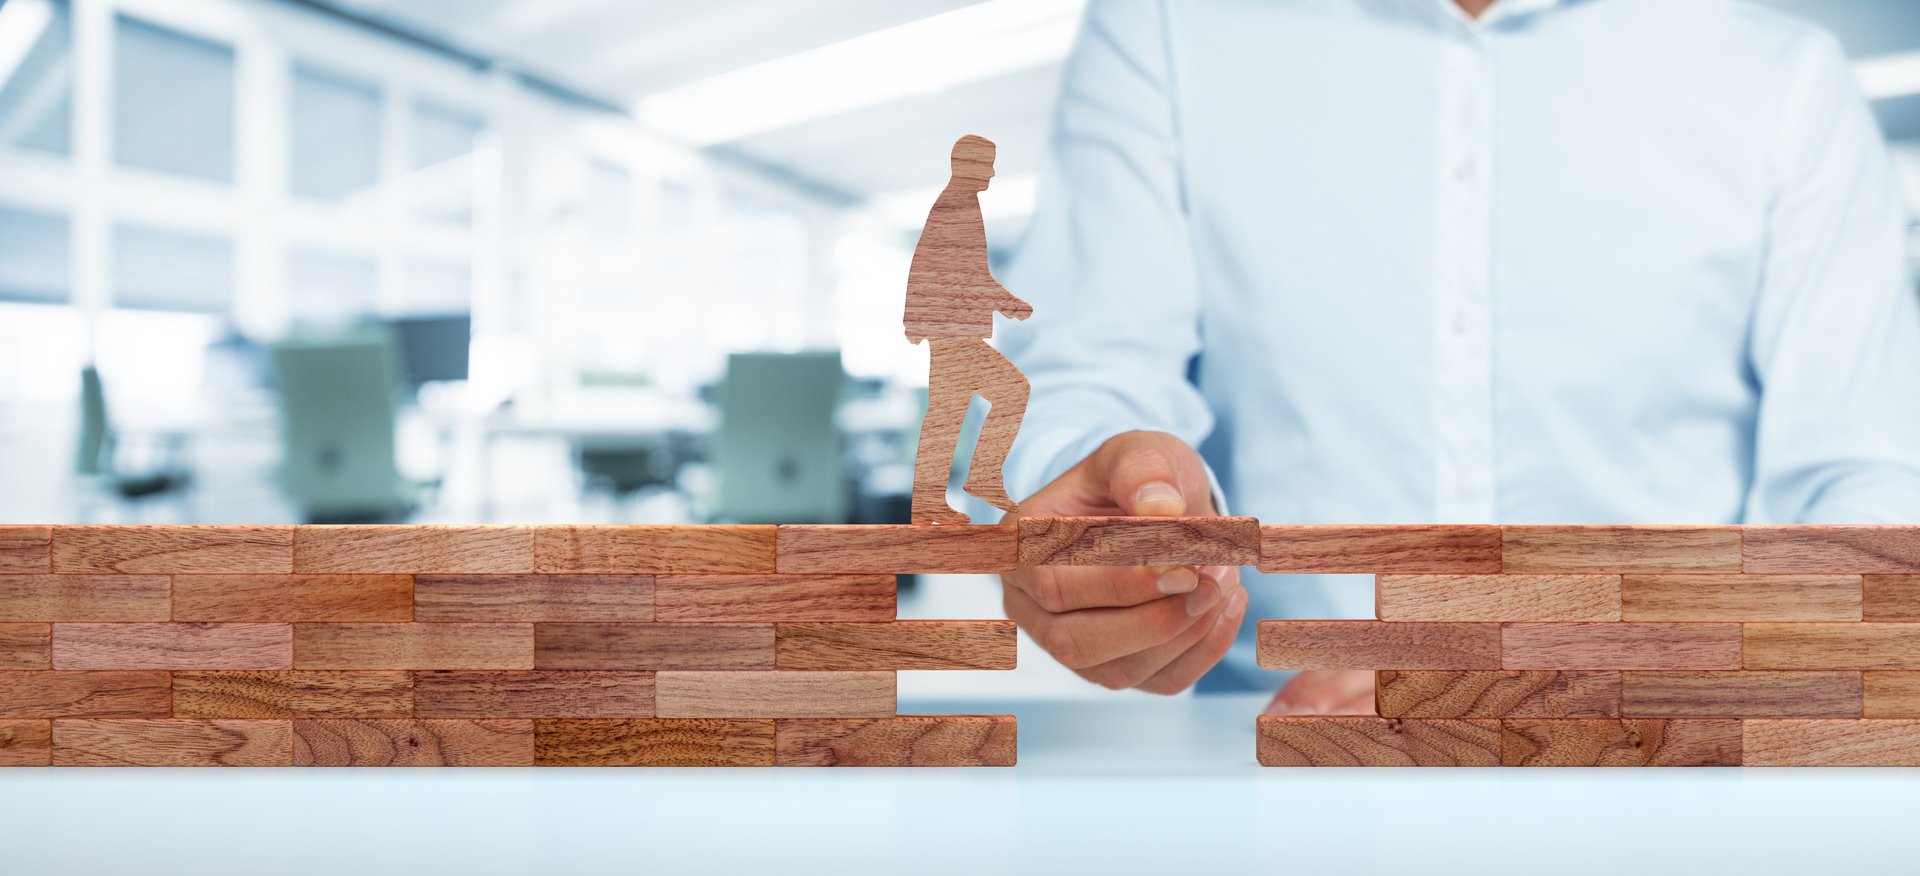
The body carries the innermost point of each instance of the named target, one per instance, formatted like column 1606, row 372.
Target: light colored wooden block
column 25, row 743
column 1892, row 694
column 169, row 549
column 896, row 645
column 1892, row 598
column 1741, row 695
column 654, row 742
column 1832, row 646
column 291, row 598
column 1620, row 646
column 1621, row 549
column 403, row 742
column 26, row 646
column 653, row 646
column 1376, row 550
column 417, row 550
column 533, row 694
column 1740, row 598
column 1832, row 742
column 298, row 693
column 774, row 694
column 83, row 598
column 26, row 549
column 707, row 598
column 408, row 646
column 172, row 646
column 905, row 740
column 898, row 550
column 1496, row 693
column 1588, row 742
column 1286, row 740
column 84, row 695
column 1833, row 549
column 171, row 742
column 1139, row 541
column 1497, row 597
column 497, row 598
column 1340, row 644
column 653, row 549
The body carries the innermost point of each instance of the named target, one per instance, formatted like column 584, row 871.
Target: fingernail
column 1157, row 493
column 1217, row 573
column 1178, row 579
column 1202, row 600
column 1236, row 604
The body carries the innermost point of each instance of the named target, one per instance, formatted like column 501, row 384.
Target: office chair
column 103, row 454
column 337, row 429
column 778, row 454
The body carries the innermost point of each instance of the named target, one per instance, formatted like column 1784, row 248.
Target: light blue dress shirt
column 1580, row 261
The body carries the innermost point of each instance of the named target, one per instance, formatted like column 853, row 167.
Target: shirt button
column 1463, row 172
column 1461, row 323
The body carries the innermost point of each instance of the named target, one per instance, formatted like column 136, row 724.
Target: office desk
column 640, row 419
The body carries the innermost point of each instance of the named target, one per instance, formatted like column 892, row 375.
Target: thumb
column 1142, row 473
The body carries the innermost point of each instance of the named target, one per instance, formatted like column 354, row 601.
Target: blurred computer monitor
column 433, row 347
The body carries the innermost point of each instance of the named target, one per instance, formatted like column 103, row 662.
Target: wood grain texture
column 1892, row 695
column 25, row 743
column 1740, row 598
column 1832, row 742
column 1588, row 742
column 653, row 549
column 1499, row 693
column 1139, row 541
column 1367, row 741
column 84, row 695
column 774, row 694
column 1892, row 598
column 480, row 598
column 291, row 598
column 420, row 550
column 402, row 742
column 1497, row 597
column 1378, row 645
column 653, row 646
column 1741, row 695
column 1620, row 646
column 83, row 598
column 1366, row 549
column 171, row 742
column 895, row 645
column 898, row 550
column 707, row 598
column 169, row 549
column 26, row 549
column 533, row 694
column 299, row 693
column 172, row 646
column 905, row 740
column 1832, row 646
column 957, row 370
column 408, row 646
column 26, row 646
column 1832, row 549
column 1621, row 548
column 654, row 742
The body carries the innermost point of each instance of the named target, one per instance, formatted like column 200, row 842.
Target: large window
column 332, row 287
column 173, row 102
column 36, row 75
column 33, row 256
column 171, row 270
column 336, row 134
column 443, row 144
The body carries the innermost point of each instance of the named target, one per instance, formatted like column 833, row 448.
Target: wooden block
column 1832, row 742
column 171, row 742
column 26, row 549
column 896, row 549
column 300, row 693
column 653, row 549
column 1893, row 598
column 895, row 645
column 653, row 646
column 1620, row 646
column 172, row 646
column 1833, row 549
column 26, row 743
column 1139, row 541
column 444, row 598
column 1497, row 597
column 409, row 646
column 169, row 549
column 905, row 740
column 1832, row 646
column 1892, row 695
column 84, row 695
column 421, row 550
column 83, row 597
column 26, row 646
column 1496, row 693
column 1621, row 548
column 1740, row 598
column 706, row 598
column 1741, row 695
column 1590, row 742
column 1376, row 550
column 290, row 598
column 1287, row 740
column 401, row 742
column 774, row 694
column 654, row 742
column 533, row 694
column 1378, row 645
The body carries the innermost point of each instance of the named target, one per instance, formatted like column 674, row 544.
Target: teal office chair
column 337, row 428
column 131, row 474
column 778, row 455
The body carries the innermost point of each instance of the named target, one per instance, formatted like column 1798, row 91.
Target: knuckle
column 1049, row 594
column 1060, row 641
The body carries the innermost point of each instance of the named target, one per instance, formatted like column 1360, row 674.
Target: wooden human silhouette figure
column 951, row 298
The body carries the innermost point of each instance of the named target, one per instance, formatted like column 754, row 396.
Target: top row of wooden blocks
column 1035, row 541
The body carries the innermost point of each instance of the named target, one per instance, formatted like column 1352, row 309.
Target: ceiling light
column 1888, row 76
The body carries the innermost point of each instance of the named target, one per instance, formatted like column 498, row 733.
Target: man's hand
column 1326, row 692
column 1153, row 628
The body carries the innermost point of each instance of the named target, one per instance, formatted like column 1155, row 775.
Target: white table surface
column 1129, row 786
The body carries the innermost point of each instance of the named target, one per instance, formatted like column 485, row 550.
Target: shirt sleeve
column 1836, row 332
